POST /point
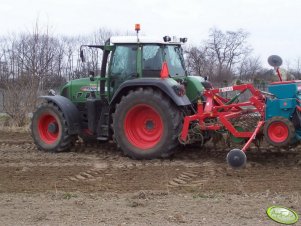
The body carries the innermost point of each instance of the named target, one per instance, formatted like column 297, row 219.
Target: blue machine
column 283, row 110
column 287, row 98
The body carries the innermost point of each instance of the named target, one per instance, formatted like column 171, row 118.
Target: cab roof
column 142, row 39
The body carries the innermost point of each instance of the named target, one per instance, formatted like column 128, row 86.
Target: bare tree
column 199, row 61
column 296, row 70
column 94, row 55
column 102, row 34
column 229, row 48
column 249, row 68
column 33, row 63
column 220, row 56
column 19, row 99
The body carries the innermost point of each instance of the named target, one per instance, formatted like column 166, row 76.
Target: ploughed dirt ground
column 97, row 185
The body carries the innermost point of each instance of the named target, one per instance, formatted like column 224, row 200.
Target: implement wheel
column 146, row 124
column 49, row 129
column 236, row 158
column 279, row 131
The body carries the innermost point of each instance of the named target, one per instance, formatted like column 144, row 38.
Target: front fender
column 69, row 110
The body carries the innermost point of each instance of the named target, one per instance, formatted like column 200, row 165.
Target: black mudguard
column 165, row 85
column 69, row 110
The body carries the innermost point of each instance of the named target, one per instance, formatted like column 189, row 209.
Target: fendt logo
column 89, row 88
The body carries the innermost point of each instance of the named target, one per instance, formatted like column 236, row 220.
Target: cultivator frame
column 223, row 110
column 219, row 108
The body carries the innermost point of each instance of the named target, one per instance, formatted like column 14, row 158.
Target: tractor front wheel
column 146, row 124
column 49, row 129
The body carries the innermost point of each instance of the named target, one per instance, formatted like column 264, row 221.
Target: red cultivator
column 278, row 111
column 218, row 113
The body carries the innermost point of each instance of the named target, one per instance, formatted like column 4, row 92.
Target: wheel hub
column 149, row 125
column 278, row 132
column 143, row 126
column 52, row 128
column 48, row 128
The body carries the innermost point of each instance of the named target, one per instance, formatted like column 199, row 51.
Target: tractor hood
column 79, row 90
column 194, row 87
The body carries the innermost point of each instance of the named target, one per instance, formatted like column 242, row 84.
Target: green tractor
column 138, row 100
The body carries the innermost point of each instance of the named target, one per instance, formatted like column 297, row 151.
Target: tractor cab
column 128, row 57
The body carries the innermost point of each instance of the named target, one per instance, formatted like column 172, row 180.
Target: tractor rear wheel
column 279, row 131
column 49, row 129
column 146, row 124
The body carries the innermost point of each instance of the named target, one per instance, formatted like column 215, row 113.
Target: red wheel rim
column 44, row 123
column 143, row 126
column 278, row 132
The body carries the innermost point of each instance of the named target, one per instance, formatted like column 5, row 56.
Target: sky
column 274, row 25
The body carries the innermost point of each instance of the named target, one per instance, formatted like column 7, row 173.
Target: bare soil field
column 97, row 185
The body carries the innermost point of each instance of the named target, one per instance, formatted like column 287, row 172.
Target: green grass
column 3, row 117
column 68, row 196
column 203, row 196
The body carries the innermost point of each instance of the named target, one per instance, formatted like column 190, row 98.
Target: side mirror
column 82, row 56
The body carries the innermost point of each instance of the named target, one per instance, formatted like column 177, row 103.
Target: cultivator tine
column 237, row 158
column 256, row 131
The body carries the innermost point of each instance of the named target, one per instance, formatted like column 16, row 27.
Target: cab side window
column 152, row 61
column 124, row 61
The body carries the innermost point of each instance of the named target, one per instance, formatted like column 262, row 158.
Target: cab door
column 123, row 66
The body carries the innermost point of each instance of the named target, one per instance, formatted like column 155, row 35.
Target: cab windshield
column 175, row 60
column 154, row 55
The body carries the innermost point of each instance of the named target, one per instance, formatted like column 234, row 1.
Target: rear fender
column 69, row 110
column 167, row 86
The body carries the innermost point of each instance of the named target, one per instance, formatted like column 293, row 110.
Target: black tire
column 284, row 134
column 236, row 158
column 159, row 115
column 57, row 140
